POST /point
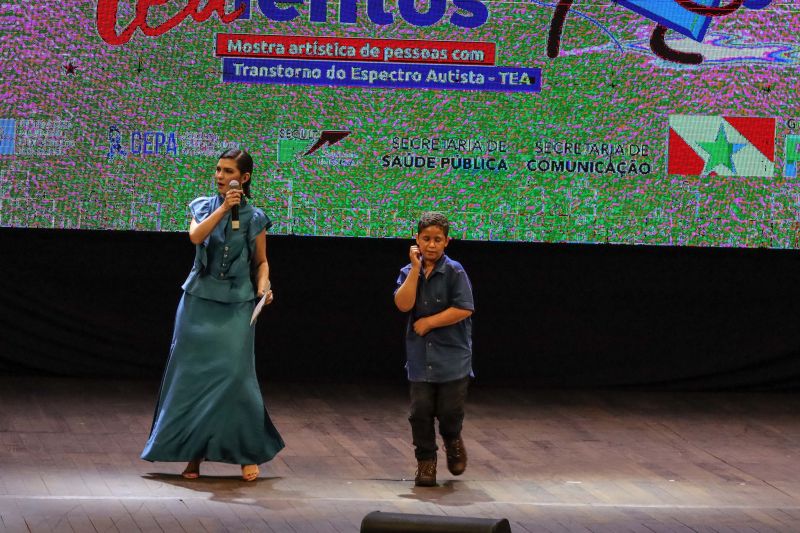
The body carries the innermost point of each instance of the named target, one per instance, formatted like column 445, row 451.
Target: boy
column 438, row 293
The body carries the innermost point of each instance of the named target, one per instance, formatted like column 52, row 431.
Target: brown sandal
column 250, row 472
column 192, row 470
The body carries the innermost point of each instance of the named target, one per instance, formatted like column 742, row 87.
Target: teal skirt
column 210, row 405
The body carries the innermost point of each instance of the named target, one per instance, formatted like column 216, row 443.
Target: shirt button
column 222, row 274
column 227, row 248
column 430, row 344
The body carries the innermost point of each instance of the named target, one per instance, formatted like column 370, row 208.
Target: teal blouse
column 221, row 270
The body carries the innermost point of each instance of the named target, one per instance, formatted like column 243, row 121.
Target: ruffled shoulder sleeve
column 201, row 207
column 260, row 221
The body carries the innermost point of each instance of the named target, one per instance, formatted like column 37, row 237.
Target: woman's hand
column 270, row 296
column 232, row 197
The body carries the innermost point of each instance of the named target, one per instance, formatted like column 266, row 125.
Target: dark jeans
column 442, row 401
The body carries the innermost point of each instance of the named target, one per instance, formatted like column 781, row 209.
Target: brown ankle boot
column 426, row 473
column 456, row 456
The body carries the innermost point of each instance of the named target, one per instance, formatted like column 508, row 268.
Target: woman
column 210, row 406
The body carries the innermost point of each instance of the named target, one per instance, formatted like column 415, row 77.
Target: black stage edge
column 103, row 303
column 383, row 522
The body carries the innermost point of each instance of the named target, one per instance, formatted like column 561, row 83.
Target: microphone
column 235, row 209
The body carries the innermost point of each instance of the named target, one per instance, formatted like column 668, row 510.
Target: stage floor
column 550, row 461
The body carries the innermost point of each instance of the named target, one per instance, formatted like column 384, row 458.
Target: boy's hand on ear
column 415, row 256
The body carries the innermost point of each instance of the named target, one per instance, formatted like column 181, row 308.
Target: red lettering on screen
column 107, row 11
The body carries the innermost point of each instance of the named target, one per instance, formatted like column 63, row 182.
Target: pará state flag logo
column 726, row 146
column 792, row 156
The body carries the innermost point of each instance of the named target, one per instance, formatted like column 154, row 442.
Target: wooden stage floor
column 549, row 461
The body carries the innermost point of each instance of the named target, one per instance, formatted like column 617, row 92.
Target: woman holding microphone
column 210, row 406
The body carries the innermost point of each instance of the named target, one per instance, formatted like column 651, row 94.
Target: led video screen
column 657, row 122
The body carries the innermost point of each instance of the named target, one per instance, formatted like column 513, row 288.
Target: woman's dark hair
column 243, row 162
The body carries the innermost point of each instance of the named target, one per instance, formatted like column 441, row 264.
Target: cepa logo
column 141, row 143
column 687, row 17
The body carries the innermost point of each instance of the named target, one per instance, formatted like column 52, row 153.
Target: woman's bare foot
column 249, row 472
column 192, row 470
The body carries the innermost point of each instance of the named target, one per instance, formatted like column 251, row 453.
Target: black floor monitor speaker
column 378, row 522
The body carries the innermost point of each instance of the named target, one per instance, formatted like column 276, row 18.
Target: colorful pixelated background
column 618, row 146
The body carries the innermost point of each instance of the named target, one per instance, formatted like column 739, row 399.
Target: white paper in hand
column 259, row 306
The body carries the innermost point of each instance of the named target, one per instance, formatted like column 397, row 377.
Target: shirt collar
column 438, row 267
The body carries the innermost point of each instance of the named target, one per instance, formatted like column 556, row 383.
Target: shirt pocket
column 437, row 301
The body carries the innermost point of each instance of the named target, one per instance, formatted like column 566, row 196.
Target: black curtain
column 103, row 303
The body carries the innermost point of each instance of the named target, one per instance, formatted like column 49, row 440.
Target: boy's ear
column 246, row 177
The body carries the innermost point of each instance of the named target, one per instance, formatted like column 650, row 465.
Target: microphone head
column 234, row 184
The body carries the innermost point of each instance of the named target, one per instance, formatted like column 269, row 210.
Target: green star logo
column 720, row 152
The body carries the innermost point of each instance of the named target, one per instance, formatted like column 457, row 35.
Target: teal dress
column 210, row 404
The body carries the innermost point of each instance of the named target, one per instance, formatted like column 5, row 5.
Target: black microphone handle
column 235, row 218
column 235, row 209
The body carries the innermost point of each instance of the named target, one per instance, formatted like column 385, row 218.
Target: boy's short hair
column 433, row 218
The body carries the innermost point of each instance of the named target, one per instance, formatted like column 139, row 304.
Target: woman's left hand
column 270, row 297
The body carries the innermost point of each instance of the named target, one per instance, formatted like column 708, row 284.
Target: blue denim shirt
column 443, row 354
